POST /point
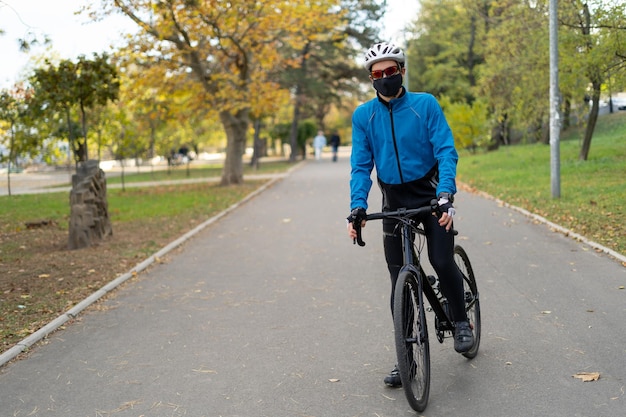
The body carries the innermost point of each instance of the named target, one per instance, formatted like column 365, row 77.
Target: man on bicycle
column 407, row 138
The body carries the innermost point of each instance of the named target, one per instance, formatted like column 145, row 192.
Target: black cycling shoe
column 463, row 337
column 393, row 379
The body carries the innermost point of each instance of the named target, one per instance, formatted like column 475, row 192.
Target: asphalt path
column 271, row 311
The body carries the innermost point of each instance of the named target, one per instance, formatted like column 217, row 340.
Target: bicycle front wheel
column 472, row 302
column 411, row 336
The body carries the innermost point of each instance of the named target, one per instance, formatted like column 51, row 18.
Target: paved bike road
column 271, row 311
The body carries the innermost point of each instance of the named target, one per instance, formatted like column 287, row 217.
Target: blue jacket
column 409, row 142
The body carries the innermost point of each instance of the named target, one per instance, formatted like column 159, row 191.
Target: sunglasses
column 387, row 72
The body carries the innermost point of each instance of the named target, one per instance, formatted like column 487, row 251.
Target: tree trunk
column 71, row 135
column 89, row 208
column 567, row 113
column 591, row 123
column 296, row 108
column 256, row 147
column 236, row 126
column 83, row 120
column 11, row 152
column 293, row 135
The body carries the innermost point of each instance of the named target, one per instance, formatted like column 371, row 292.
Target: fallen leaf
column 587, row 376
column 204, row 371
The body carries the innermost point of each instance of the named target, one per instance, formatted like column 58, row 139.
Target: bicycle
column 409, row 311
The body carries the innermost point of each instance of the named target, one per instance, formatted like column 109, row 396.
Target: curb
column 72, row 313
column 553, row 226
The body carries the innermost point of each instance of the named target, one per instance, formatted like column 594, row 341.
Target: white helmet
column 382, row 52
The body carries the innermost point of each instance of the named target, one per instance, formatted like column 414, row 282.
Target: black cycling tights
column 441, row 255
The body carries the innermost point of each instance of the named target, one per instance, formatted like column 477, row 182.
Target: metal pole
column 555, row 118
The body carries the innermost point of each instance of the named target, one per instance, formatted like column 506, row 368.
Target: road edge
column 553, row 226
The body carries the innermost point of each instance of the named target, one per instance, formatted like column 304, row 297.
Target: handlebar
column 396, row 214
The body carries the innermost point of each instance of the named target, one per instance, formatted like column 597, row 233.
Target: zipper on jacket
column 395, row 145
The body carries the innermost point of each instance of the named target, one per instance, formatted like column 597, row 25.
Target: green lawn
column 592, row 192
column 136, row 204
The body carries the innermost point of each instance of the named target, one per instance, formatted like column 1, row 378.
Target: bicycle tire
column 472, row 301
column 411, row 334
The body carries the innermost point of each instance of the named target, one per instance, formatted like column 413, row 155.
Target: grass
column 592, row 192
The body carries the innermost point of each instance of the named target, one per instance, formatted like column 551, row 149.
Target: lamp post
column 555, row 119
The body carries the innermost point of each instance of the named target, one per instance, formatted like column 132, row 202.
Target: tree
column 228, row 48
column 514, row 79
column 96, row 83
column 86, row 84
column 14, row 111
column 447, row 50
column 595, row 44
column 53, row 88
column 9, row 113
column 468, row 122
column 499, row 51
column 328, row 69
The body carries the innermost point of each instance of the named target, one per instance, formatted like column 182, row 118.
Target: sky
column 73, row 35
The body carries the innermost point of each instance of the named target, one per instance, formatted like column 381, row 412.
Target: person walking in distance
column 335, row 141
column 319, row 142
column 406, row 137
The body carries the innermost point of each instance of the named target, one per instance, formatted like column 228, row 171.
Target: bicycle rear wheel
column 411, row 335
column 472, row 303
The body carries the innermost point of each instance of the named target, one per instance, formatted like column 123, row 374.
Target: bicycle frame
column 411, row 259
column 412, row 263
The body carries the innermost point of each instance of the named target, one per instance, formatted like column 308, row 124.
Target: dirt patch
column 40, row 278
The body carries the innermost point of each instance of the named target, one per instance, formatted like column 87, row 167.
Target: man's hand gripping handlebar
column 358, row 217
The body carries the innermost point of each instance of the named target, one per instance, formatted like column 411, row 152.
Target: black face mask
column 390, row 86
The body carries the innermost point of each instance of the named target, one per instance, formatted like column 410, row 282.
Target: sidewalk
column 271, row 311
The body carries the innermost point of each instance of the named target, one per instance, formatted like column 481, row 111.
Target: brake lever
column 359, row 238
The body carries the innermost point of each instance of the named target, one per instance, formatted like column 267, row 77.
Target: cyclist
column 407, row 138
